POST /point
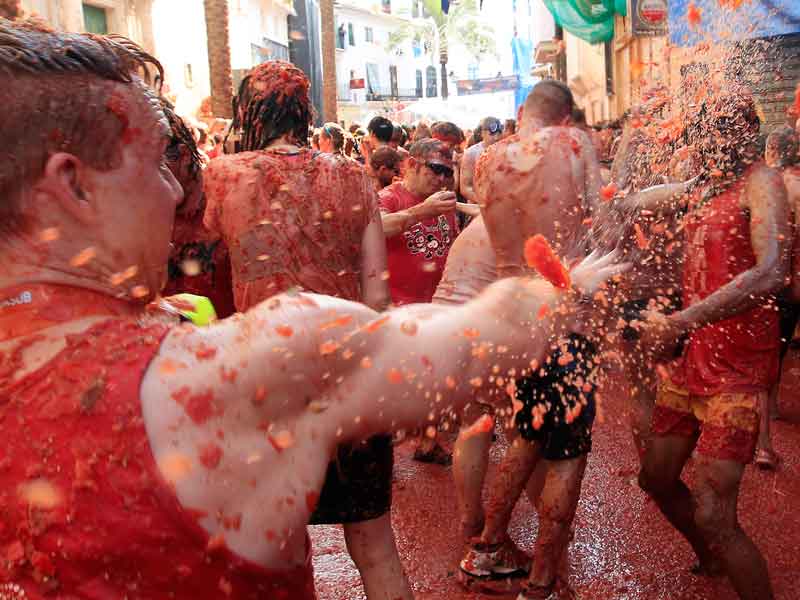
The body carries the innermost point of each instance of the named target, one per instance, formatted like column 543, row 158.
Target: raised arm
column 765, row 197
column 467, row 176
column 439, row 203
column 374, row 286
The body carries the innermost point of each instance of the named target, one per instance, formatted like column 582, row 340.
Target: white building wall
column 184, row 55
column 352, row 61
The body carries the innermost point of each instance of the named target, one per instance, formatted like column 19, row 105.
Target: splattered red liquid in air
column 540, row 256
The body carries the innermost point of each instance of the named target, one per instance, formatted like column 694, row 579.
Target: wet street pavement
column 623, row 547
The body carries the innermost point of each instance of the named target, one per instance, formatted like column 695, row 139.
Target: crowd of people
column 367, row 282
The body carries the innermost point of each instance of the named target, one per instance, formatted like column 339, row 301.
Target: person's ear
column 64, row 182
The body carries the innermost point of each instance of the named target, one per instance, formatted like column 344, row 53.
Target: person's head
column 448, row 133
column 380, row 130
column 273, row 102
column 422, row 131
column 550, row 102
column 83, row 155
column 491, row 129
column 183, row 160
column 476, row 136
column 385, row 164
column 728, row 133
column 509, row 128
column 782, row 148
column 315, row 139
column 429, row 168
column 398, row 137
column 353, row 128
column 331, row 138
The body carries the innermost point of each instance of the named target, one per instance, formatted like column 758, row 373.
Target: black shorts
column 788, row 312
column 358, row 484
column 555, row 392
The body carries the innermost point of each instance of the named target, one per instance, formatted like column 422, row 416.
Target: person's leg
column 660, row 477
column 557, row 502
column 513, row 474
column 766, row 458
column 717, row 496
column 470, row 462
column 534, row 492
column 372, row 547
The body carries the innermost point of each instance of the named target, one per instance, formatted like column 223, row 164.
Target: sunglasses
column 440, row 170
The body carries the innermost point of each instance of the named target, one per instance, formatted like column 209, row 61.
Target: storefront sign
column 650, row 17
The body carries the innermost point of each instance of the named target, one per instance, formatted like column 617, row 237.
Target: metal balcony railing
column 387, row 93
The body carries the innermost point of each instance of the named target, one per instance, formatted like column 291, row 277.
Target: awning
column 590, row 20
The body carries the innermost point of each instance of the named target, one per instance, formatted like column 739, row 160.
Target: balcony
column 384, row 93
column 343, row 93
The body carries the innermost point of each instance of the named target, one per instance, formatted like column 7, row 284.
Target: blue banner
column 751, row 19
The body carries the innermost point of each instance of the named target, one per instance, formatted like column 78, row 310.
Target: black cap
column 382, row 128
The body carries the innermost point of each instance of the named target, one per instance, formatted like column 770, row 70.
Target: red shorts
column 726, row 423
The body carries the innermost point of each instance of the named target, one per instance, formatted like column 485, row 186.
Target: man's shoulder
column 243, row 162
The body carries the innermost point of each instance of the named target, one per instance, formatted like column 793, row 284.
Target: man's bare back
column 543, row 181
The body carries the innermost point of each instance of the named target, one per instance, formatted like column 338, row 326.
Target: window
column 387, row 6
column 419, row 84
column 95, row 19
column 414, row 9
column 351, row 36
column 472, row 71
column 369, row 34
column 430, row 82
column 341, row 33
column 373, row 80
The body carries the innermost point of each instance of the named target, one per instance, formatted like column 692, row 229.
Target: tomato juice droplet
column 694, row 15
column 607, row 192
column 281, row 440
column 83, row 257
column 284, row 331
column 210, row 455
column 394, row 376
column 328, row 347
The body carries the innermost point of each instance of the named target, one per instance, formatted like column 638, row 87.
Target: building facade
column 176, row 32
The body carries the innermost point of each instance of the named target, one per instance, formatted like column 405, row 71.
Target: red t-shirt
column 84, row 510
column 416, row 256
column 739, row 354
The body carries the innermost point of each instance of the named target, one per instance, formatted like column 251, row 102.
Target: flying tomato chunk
column 540, row 256
column 694, row 15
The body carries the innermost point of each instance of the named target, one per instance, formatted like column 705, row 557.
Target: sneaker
column 766, row 459
column 499, row 561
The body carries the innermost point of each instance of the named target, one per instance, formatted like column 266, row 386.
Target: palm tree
column 328, row 26
column 219, row 57
column 462, row 24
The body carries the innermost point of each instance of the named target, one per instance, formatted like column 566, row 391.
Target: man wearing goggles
column 419, row 221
